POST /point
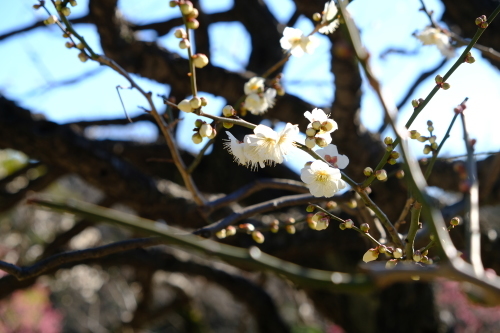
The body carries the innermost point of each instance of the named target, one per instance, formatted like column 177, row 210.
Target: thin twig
column 412, row 232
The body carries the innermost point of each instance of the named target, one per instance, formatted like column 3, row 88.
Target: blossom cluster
column 433, row 36
column 258, row 98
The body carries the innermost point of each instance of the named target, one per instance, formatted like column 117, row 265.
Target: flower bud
column 185, row 106
column 310, row 208
column 274, row 228
column 180, row 33
column 83, row 56
column 198, row 123
column 438, row 79
column 186, row 7
column 414, row 134
column 394, row 154
column 213, row 134
column 173, row 4
column 478, row 21
column 382, row 249
column 352, row 204
column 316, row 125
column 422, row 138
column 349, row 224
column 331, row 205
column 429, row 123
column 247, row 227
column 400, row 174
column 381, row 175
column 483, row 25
column 196, row 138
column 370, row 255
column 200, row 60
column 228, row 125
column 51, row 20
column 391, row 263
column 415, row 103
column 316, row 17
column 388, row 140
column 194, row 14
column 312, row 224
column 184, row 44
column 389, row 148
column 290, row 228
column 221, row 234
column 455, row 221
column 397, row 253
column 432, row 139
column 321, row 142
column 425, row 260
column 230, row 231
column 204, row 101
column 310, row 142
column 368, row 171
column 228, row 111
column 80, row 46
column 392, row 161
column 205, row 130
column 417, row 256
column 364, row 227
column 193, row 24
column 430, row 128
column 258, row 237
column 470, row 60
column 311, row 132
column 327, row 125
column 66, row 11
column 73, row 3
column 69, row 45
column 280, row 91
column 195, row 102
column 342, row 226
column 427, row 149
column 434, row 145
column 445, row 86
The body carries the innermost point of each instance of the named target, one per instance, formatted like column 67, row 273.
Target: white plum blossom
column 332, row 156
column 327, row 125
column 433, row 36
column 258, row 103
column 320, row 221
column 370, row 255
column 236, row 148
column 266, row 146
column 254, row 85
column 295, row 41
column 321, row 179
column 329, row 14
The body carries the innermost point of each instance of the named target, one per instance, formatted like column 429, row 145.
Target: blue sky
column 34, row 62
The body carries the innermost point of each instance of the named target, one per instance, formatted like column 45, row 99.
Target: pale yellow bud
column 221, row 234
column 195, row 102
column 185, row 106
column 193, row 24
column 206, row 130
column 186, row 7
column 213, row 134
column 228, row 111
column 66, row 11
column 381, row 174
column 200, row 60
column 230, row 231
column 196, row 138
column 311, row 131
column 321, row 142
column 184, row 44
column 180, row 33
column 258, row 237
column 82, row 56
column 398, row 253
column 310, row 142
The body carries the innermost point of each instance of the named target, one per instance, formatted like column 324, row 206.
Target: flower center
column 321, row 176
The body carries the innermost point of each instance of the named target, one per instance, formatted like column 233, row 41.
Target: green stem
column 192, row 69
column 412, row 232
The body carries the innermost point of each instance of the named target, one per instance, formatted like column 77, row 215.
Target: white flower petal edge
column 433, row 36
column 258, row 103
column 332, row 156
column 255, row 84
column 321, row 179
column 236, row 148
column 329, row 14
column 295, row 41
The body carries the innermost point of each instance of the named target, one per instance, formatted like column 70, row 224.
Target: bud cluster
column 469, row 58
column 439, row 81
column 482, row 22
column 319, row 221
column 203, row 130
column 276, row 84
column 188, row 11
column 316, row 127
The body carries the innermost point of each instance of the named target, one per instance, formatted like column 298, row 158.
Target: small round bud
column 184, row 44
column 455, row 221
column 227, row 125
column 228, row 111
column 417, row 256
column 389, row 148
column 58, row 2
column 425, row 260
column 195, row 102
column 221, row 234
column 51, row 20
column 414, row 134
column 430, row 128
column 427, row 149
column 429, row 123
column 280, row 91
column 316, row 17
column 381, row 175
column 392, row 161
column 438, row 79
column 311, row 132
column 331, row 205
column 66, row 11
column 321, row 142
column 388, row 140
column 342, row 226
column 370, row 255
column 397, row 253
column 198, row 123
column 368, row 171
column 66, row 35
column 391, row 263
column 185, row 106
column 173, row 4
column 258, row 237
column 200, row 60
column 422, row 138
column 83, row 56
column 196, row 138
column 290, row 228
column 194, row 14
column 352, row 204
column 205, row 130
column 80, row 46
column 478, row 21
column 204, row 101
column 327, row 125
column 274, row 228
column 230, row 231
column 247, row 227
column 316, row 125
column 400, row 174
column 382, row 249
column 394, row 154
column 180, row 33
column 312, row 224
column 483, row 25
column 193, row 24
column 310, row 142
column 73, row 3
column 186, row 7
column 213, row 134
column 470, row 60
column 69, row 45
column 310, row 208
column 36, row 6
column 415, row 103
column 434, row 146
column 364, row 227
column 432, row 139
column 445, row 86
column 349, row 224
